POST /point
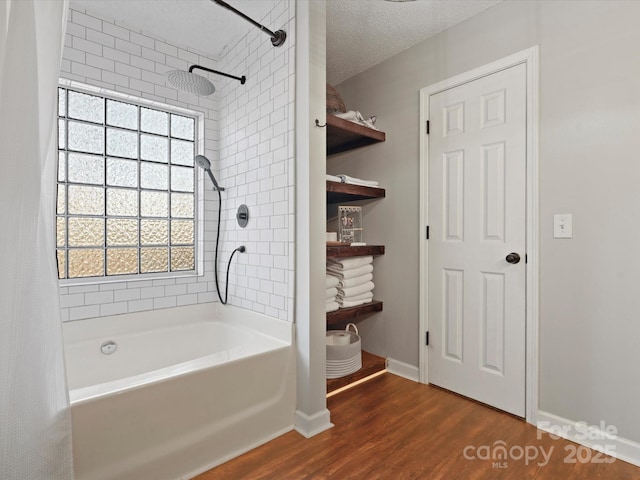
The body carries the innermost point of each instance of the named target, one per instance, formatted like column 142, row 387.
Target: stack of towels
column 332, row 293
column 354, row 275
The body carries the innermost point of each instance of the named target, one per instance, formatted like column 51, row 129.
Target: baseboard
column 402, row 369
column 308, row 426
column 602, row 438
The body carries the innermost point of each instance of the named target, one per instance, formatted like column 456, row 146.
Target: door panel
column 477, row 215
column 493, row 176
column 493, row 322
column 453, row 324
column 454, row 195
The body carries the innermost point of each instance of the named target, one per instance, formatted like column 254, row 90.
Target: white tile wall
column 249, row 139
column 256, row 165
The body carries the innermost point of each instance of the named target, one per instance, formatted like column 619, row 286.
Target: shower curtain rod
column 277, row 38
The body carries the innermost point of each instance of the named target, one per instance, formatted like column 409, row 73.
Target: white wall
column 312, row 415
column 589, row 120
column 248, row 137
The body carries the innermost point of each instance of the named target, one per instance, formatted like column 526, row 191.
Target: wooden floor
column 393, row 428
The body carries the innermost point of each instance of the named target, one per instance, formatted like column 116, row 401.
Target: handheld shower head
column 204, row 163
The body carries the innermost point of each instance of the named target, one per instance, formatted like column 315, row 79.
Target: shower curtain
column 35, row 427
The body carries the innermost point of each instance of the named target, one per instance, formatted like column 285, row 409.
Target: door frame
column 530, row 58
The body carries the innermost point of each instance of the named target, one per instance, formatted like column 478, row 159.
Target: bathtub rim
column 81, row 395
column 279, row 335
column 113, row 325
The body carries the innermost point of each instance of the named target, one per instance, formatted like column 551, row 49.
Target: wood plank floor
column 393, row 428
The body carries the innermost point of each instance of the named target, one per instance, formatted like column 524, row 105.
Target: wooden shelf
column 342, row 251
column 344, row 192
column 340, row 316
column 370, row 364
column 343, row 135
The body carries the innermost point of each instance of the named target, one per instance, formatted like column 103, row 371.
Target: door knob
column 513, row 258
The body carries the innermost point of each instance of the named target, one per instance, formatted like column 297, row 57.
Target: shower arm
column 241, row 79
column 277, row 38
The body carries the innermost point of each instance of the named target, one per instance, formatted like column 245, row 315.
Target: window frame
column 199, row 184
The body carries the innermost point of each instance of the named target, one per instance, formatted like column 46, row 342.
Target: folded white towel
column 331, row 293
column 331, row 281
column 349, row 292
column 364, row 184
column 345, row 274
column 349, row 263
column 357, row 181
column 362, row 296
column 356, row 117
column 354, row 303
column 333, row 178
column 355, row 281
column 332, row 306
column 351, row 115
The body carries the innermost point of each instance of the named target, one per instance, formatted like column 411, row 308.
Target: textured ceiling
column 363, row 33
column 360, row 33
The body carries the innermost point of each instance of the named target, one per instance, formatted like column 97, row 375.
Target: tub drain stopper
column 108, row 347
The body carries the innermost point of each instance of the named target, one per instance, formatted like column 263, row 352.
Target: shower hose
column 240, row 249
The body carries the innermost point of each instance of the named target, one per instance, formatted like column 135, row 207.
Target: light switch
column 563, row 225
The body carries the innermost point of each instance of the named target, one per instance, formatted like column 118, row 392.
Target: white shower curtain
column 35, row 428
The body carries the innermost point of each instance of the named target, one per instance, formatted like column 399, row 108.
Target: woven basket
column 344, row 354
column 334, row 101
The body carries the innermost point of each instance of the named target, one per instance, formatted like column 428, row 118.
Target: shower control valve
column 243, row 215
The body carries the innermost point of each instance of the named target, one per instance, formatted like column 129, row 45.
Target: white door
column 477, row 219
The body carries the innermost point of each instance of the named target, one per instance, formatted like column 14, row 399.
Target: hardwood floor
column 392, row 428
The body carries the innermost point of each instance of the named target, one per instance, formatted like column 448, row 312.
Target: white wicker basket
column 344, row 355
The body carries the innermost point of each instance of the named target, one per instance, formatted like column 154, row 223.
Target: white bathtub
column 186, row 389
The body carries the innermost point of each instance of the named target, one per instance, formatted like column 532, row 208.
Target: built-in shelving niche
column 342, row 136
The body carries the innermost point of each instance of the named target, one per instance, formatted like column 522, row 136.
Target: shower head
column 204, row 163
column 193, row 83
column 190, row 82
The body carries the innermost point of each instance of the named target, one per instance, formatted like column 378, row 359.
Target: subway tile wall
column 256, row 165
column 248, row 138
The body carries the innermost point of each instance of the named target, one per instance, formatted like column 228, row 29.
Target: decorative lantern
column 350, row 224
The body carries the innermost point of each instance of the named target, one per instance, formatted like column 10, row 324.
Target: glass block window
column 126, row 188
